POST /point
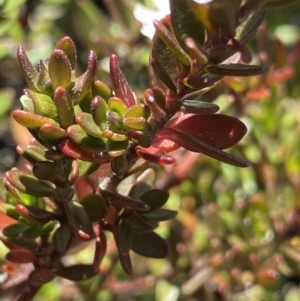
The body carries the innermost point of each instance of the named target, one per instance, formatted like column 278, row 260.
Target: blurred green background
column 237, row 233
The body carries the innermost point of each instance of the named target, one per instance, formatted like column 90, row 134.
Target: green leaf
column 235, row 69
column 87, row 123
column 140, row 223
column 32, row 121
column 79, row 136
column 198, row 107
column 119, row 200
column 163, row 63
column 31, row 153
column 51, row 132
column 14, row 231
column 79, row 220
column 96, row 206
column 101, row 89
column 45, row 170
column 246, row 31
column 62, row 239
column 185, row 23
column 116, row 148
column 39, row 215
column 64, row 107
column 122, row 244
column 160, row 214
column 77, row 272
column 155, row 198
column 67, row 45
column 117, row 105
column 119, row 166
column 124, row 237
column 29, row 184
column 170, row 41
column 99, row 109
column 86, row 168
column 135, row 123
column 59, row 68
column 149, row 244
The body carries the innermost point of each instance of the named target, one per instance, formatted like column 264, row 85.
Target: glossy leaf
column 139, row 223
column 198, row 107
column 160, row 214
column 150, row 244
column 96, row 206
column 14, row 231
column 235, row 69
column 119, row 166
column 248, row 28
column 62, row 239
column 37, row 214
column 40, row 276
column 119, row 200
column 156, row 102
column 124, row 237
column 221, row 131
column 21, row 256
column 77, row 272
column 154, row 155
column 123, row 256
column 79, row 220
column 195, row 144
column 75, row 151
column 155, row 198
column 64, row 194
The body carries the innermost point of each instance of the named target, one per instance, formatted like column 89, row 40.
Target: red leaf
column 120, row 84
column 218, row 130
